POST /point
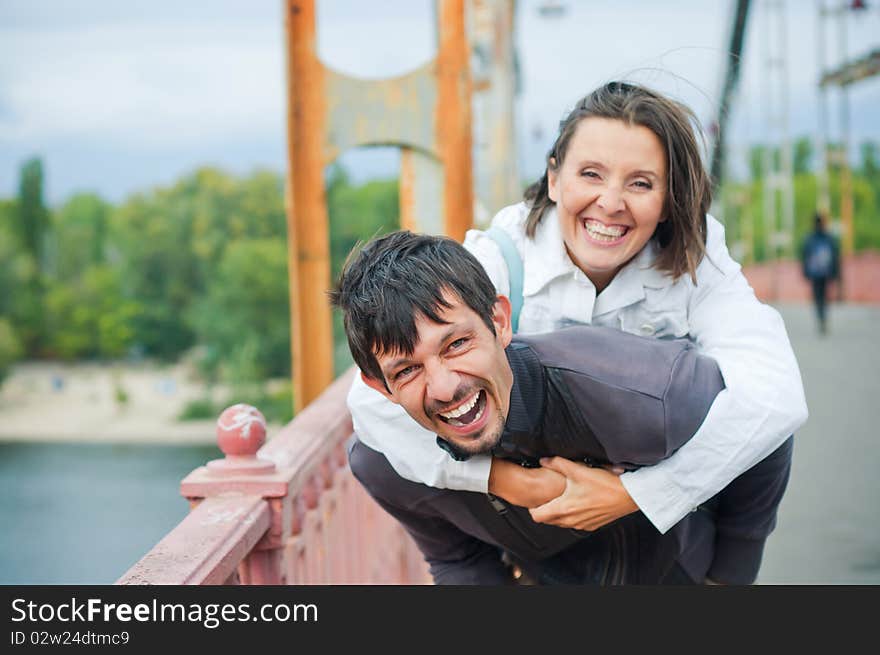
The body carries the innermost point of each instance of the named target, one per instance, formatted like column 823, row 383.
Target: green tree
column 32, row 226
column 79, row 235
column 89, row 316
column 802, row 155
column 33, row 217
column 869, row 166
column 152, row 240
column 756, row 162
column 358, row 213
column 20, row 301
column 10, row 348
column 243, row 321
column 223, row 210
column 865, row 190
column 10, row 259
column 16, row 271
column 870, row 169
column 174, row 239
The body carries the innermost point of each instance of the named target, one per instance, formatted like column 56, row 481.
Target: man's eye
column 458, row 343
column 591, row 174
column 402, row 373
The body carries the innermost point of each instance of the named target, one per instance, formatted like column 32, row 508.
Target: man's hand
column 593, row 497
column 524, row 486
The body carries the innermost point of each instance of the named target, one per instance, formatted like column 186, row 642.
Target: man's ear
column 501, row 318
column 552, row 179
column 378, row 385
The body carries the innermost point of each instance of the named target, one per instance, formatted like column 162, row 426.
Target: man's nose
column 611, row 199
column 441, row 383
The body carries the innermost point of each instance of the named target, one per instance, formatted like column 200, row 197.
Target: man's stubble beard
column 484, row 443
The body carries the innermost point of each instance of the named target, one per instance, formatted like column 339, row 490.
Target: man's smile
column 467, row 413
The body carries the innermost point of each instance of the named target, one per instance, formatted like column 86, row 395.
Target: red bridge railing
column 783, row 282
column 286, row 511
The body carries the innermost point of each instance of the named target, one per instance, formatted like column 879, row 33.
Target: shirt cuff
column 470, row 475
column 656, row 496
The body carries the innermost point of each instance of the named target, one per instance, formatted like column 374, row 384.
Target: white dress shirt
column 762, row 404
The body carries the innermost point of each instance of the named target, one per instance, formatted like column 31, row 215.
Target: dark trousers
column 468, row 538
column 820, row 299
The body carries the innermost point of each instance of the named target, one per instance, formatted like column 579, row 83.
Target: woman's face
column 609, row 193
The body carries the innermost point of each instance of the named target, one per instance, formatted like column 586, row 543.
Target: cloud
column 141, row 86
column 151, row 81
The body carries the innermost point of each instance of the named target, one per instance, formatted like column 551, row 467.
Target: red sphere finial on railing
column 241, row 432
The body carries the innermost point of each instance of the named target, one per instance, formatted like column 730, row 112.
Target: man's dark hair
column 389, row 282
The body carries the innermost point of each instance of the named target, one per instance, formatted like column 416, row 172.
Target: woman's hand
column 526, row 487
column 593, row 497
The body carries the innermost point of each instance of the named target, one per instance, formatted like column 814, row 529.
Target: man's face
column 457, row 381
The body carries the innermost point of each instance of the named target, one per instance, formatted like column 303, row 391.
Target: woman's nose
column 610, row 200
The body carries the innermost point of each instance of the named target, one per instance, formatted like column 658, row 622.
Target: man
column 820, row 261
column 427, row 330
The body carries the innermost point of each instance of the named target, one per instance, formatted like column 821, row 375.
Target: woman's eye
column 643, row 184
column 590, row 174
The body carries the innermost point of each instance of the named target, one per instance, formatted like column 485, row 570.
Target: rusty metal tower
column 778, row 195
column 427, row 113
column 495, row 85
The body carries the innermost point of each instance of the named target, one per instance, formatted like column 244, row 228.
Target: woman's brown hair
column 682, row 236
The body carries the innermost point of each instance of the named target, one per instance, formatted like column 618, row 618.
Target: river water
column 84, row 513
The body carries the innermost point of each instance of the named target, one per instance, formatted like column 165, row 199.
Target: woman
column 616, row 234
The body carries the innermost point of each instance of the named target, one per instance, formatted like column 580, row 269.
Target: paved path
column 829, row 521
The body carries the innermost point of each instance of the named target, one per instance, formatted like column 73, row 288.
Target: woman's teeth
column 601, row 232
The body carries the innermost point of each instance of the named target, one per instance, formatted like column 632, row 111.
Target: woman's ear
column 552, row 179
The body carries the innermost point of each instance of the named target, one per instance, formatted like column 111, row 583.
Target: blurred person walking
column 820, row 259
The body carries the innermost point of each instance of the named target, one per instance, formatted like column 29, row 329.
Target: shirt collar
column 545, row 259
column 629, row 285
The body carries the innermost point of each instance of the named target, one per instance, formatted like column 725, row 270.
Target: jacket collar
column 546, row 259
column 544, row 256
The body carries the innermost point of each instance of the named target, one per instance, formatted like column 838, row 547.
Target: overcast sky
column 122, row 96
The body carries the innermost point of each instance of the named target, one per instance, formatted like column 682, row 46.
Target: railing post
column 287, row 512
column 241, row 432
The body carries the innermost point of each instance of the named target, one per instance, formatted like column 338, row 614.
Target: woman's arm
column 762, row 405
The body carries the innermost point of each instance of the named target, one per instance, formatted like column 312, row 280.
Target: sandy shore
column 79, row 402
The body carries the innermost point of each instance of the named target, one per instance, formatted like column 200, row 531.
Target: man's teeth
column 603, row 232
column 461, row 410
